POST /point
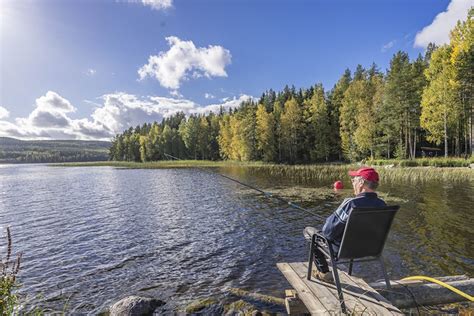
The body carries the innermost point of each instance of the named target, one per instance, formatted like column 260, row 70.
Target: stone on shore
column 135, row 306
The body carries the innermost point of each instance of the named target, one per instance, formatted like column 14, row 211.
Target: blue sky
column 88, row 69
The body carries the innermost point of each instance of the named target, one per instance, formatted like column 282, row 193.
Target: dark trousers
column 319, row 258
column 320, row 261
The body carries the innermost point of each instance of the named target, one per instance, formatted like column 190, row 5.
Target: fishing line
column 265, row 193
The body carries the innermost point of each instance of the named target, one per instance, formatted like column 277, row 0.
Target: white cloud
column 53, row 101
column 51, row 112
column 176, row 94
column 209, row 96
column 158, row 4
column 91, row 72
column 438, row 31
column 4, row 113
column 118, row 111
column 228, row 104
column 184, row 61
column 388, row 46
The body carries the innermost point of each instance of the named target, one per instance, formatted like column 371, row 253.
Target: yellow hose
column 455, row 290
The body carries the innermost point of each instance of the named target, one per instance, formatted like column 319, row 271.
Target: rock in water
column 135, row 306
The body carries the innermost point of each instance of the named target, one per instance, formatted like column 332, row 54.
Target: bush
column 8, row 272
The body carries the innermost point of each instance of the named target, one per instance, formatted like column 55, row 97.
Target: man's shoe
column 325, row 277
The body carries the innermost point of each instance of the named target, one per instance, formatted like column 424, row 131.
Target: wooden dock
column 320, row 298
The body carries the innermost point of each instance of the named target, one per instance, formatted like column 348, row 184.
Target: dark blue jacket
column 333, row 229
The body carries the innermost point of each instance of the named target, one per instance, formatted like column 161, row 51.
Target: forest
column 19, row 151
column 417, row 108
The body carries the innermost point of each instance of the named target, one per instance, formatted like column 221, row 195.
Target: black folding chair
column 363, row 240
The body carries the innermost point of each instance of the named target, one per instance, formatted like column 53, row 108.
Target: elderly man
column 364, row 181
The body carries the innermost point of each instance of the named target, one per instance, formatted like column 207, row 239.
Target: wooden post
column 294, row 306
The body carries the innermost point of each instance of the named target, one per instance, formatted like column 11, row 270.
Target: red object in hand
column 338, row 185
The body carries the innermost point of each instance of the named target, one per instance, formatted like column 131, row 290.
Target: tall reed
column 8, row 271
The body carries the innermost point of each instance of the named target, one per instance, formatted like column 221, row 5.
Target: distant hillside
column 33, row 151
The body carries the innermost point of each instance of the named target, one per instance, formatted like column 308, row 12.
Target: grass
column 303, row 173
column 162, row 164
column 424, row 162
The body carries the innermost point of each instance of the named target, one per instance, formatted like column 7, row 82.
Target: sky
column 89, row 69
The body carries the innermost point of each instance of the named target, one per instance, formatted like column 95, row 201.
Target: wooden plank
column 318, row 288
column 354, row 305
column 313, row 304
column 356, row 287
column 378, row 301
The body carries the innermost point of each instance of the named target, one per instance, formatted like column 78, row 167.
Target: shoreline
column 304, row 174
column 380, row 164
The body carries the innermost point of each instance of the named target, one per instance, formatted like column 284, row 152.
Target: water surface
column 93, row 235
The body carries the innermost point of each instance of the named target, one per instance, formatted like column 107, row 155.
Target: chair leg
column 311, row 256
column 385, row 275
column 335, row 274
column 350, row 267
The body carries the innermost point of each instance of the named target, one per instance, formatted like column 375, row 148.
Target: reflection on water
column 93, row 235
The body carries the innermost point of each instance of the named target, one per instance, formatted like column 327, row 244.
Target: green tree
column 189, row 132
column 277, row 112
column 144, row 156
column 319, row 123
column 365, row 135
column 440, row 102
column 354, row 99
column 214, row 127
column 203, row 138
column 334, row 104
column 153, row 144
column 397, row 103
column 265, row 127
column 225, row 137
column 291, row 126
column 462, row 59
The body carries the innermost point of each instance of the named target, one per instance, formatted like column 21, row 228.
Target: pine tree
column 334, row 104
column 462, row 59
column 397, row 103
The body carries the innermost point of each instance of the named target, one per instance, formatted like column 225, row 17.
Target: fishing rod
column 265, row 193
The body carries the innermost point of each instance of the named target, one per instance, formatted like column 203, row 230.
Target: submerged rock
column 202, row 305
column 135, row 306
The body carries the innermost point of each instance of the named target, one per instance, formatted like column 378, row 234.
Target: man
column 364, row 182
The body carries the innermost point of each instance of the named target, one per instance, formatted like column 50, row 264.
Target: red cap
column 367, row 173
column 338, row 185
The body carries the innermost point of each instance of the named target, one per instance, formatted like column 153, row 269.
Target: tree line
column 38, row 151
column 421, row 103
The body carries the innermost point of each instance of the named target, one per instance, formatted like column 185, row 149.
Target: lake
column 92, row 235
